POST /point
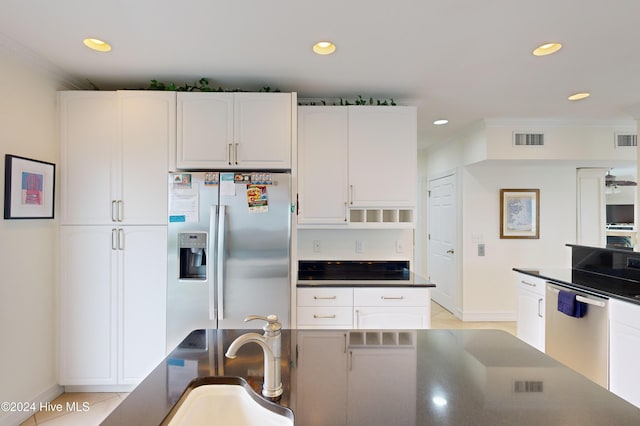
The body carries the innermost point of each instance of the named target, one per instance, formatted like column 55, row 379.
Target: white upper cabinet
column 322, row 164
column 114, row 155
column 362, row 159
column 382, row 156
column 238, row 130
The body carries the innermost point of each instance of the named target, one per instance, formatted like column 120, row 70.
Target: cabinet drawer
column 325, row 297
column 530, row 283
column 389, row 296
column 341, row 316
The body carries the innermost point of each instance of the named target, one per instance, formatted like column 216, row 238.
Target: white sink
column 229, row 405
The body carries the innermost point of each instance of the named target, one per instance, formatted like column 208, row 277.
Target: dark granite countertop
column 435, row 377
column 595, row 283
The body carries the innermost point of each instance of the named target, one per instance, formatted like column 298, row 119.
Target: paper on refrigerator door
column 184, row 199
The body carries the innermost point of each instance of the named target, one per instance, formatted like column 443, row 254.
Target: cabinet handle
column 324, row 297
column 392, row 297
column 351, row 194
column 113, row 211
column 350, row 360
column 357, row 324
column 526, row 283
column 114, row 239
column 345, row 342
column 323, row 316
column 346, row 211
column 120, row 205
column 120, row 239
column 235, row 154
column 229, row 153
column 539, row 305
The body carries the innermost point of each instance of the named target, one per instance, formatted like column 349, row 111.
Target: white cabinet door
column 234, row 130
column 624, row 348
column 112, row 299
column 382, row 156
column 322, row 165
column 87, row 306
column 367, row 317
column 531, row 307
column 387, row 377
column 88, row 134
column 204, row 130
column 322, row 378
column 147, row 130
column 114, row 156
column 142, row 298
column 262, row 130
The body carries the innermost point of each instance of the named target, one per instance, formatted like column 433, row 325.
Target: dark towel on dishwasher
column 568, row 305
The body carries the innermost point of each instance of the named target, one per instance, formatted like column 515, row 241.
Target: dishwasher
column 580, row 343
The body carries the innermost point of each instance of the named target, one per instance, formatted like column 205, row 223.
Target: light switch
column 359, row 246
column 316, row 246
column 480, row 249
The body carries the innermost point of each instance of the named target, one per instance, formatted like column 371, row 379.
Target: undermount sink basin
column 228, row 401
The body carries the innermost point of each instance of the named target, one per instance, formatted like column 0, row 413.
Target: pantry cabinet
column 111, row 299
column 114, row 156
column 240, row 130
column 362, row 159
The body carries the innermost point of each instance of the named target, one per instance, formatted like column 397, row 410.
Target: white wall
column 340, row 244
column 27, row 247
column 489, row 290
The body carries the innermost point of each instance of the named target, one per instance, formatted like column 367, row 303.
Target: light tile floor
column 99, row 405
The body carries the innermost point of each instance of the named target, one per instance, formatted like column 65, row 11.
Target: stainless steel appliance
column 229, row 250
column 580, row 343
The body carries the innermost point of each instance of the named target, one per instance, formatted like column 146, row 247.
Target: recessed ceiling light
column 440, row 122
column 97, row 44
column 547, row 49
column 578, row 96
column 324, row 48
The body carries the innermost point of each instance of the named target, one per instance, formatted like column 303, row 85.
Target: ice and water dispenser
column 193, row 255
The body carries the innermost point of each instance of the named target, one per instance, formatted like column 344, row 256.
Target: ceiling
column 464, row 60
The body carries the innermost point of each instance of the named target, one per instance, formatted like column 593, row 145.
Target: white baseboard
column 99, row 388
column 16, row 417
column 489, row 316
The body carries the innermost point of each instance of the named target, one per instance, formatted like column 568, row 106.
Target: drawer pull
column 392, row 297
column 323, row 316
column 324, row 297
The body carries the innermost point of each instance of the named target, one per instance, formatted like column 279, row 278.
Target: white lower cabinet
column 379, row 308
column 624, row 349
column 392, row 308
column 112, row 303
column 531, row 310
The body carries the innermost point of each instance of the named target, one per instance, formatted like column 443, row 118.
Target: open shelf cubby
column 373, row 215
column 381, row 338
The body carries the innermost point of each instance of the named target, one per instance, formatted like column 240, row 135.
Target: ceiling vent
column 528, row 139
column 626, row 140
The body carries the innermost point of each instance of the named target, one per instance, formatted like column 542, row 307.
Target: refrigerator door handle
column 220, row 260
column 211, row 266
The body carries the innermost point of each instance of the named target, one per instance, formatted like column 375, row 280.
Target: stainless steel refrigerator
column 228, row 251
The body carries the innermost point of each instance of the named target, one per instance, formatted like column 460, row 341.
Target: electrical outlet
column 316, row 246
column 359, row 246
column 399, row 246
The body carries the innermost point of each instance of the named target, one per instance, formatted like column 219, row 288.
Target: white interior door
column 441, row 267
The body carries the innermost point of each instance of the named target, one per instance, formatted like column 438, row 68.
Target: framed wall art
column 520, row 213
column 29, row 187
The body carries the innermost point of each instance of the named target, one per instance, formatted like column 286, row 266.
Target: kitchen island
column 446, row 377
